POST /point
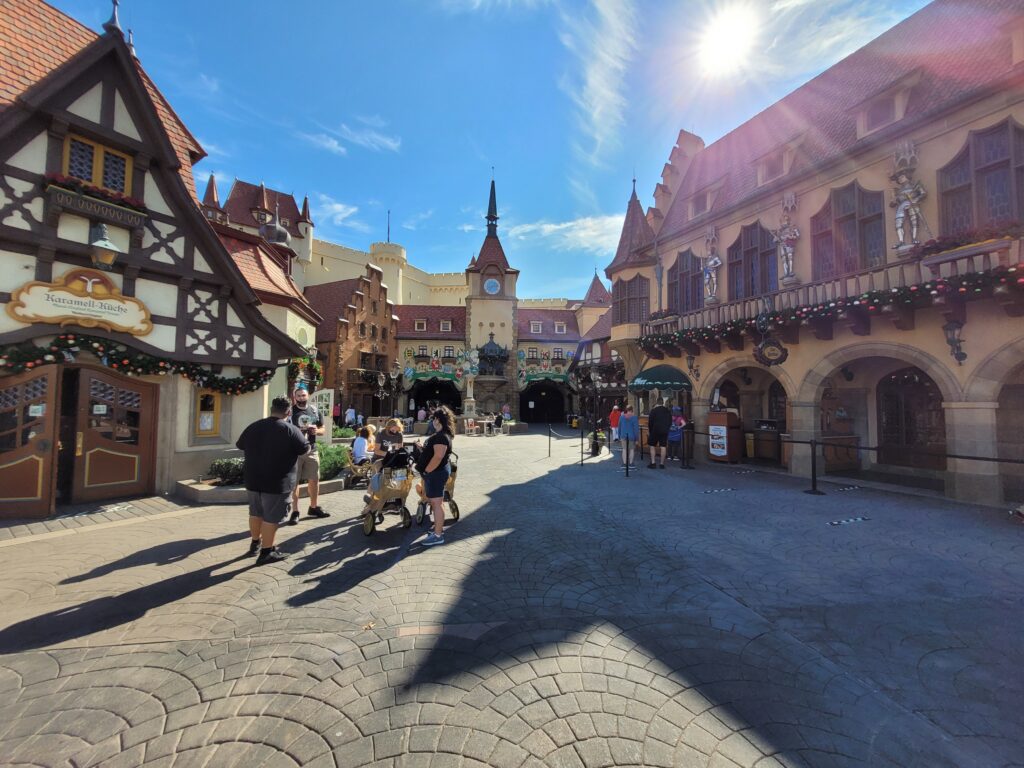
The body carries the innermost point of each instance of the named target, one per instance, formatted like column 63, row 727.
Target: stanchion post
column 625, row 455
column 549, row 439
column 582, row 440
column 814, row 470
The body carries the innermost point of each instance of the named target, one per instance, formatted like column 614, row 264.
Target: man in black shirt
column 307, row 418
column 271, row 446
column 659, row 420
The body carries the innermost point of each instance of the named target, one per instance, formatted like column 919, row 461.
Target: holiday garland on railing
column 68, row 346
column 312, row 368
column 998, row 280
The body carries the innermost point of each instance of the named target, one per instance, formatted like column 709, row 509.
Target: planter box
column 198, row 492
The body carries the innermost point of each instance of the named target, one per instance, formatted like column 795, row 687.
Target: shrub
column 333, row 459
column 228, row 471
column 343, row 432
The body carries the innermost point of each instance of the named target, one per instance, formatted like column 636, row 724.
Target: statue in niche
column 907, row 194
column 712, row 262
column 785, row 242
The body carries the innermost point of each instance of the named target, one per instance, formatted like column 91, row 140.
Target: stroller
column 449, row 491
column 395, row 483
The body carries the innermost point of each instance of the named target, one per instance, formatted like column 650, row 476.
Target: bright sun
column 728, row 40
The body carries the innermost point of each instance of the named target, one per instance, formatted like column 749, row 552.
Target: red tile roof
column 601, row 330
column 408, row 314
column 597, row 295
column 547, row 318
column 264, row 270
column 329, row 300
column 636, row 233
column 957, row 47
column 491, row 254
column 244, row 196
column 36, row 39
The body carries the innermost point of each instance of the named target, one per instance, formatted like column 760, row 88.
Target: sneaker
column 318, row 512
column 651, row 465
column 294, row 519
column 433, row 539
column 254, row 547
column 366, row 498
column 270, row 556
column 661, row 466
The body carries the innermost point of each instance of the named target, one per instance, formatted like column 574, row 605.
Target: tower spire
column 113, row 24
column 492, row 214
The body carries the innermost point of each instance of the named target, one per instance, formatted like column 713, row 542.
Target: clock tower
column 491, row 301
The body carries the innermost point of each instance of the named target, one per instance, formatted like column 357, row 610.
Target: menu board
column 718, row 440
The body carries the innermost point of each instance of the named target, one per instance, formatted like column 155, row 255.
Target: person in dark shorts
column 271, row 447
column 659, row 421
column 435, row 469
column 307, row 418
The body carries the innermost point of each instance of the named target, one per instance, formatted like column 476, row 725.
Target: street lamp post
column 593, row 380
column 396, row 371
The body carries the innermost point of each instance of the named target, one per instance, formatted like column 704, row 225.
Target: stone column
column 805, row 424
column 699, row 416
column 971, row 431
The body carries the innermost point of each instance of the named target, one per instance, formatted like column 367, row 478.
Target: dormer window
column 536, row 326
column 97, row 165
column 772, row 167
column 421, row 325
column 559, row 327
column 285, row 222
column 880, row 112
column 699, row 204
column 446, row 326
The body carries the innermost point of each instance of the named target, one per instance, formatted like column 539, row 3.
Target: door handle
column 79, row 438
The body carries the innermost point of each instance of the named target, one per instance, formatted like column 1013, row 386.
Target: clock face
column 492, row 286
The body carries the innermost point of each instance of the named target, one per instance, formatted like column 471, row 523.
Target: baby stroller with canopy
column 389, row 488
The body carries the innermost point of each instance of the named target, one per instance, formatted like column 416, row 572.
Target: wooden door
column 115, row 436
column 911, row 421
column 28, row 421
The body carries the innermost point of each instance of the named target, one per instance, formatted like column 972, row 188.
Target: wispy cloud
column 597, row 235
column 213, row 150
column 602, row 42
column 323, row 141
column 369, row 137
column 208, row 83
column 492, row 5
column 469, row 227
column 337, row 213
column 415, row 220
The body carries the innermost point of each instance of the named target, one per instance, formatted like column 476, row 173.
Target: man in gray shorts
column 271, row 447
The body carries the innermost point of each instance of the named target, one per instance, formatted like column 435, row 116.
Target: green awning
column 660, row 377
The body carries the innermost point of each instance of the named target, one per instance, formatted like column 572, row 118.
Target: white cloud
column 323, row 141
column 469, row 228
column 209, row 84
column 414, row 221
column 491, row 5
column 213, row 150
column 340, row 214
column 368, row 137
column 374, row 121
column 597, row 235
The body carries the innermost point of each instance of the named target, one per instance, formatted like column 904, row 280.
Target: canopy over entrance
column 661, row 377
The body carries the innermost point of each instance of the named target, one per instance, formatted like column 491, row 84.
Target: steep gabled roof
column 597, row 294
column 491, row 254
column 950, row 50
column 636, row 233
column 244, row 197
column 547, row 318
column 329, row 300
column 601, row 330
column 36, row 40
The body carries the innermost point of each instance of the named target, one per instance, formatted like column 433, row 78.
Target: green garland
column 122, row 359
column 998, row 280
column 314, row 371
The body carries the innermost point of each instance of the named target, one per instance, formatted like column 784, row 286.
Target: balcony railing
column 980, row 257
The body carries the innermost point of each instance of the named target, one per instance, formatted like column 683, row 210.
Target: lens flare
column 728, row 40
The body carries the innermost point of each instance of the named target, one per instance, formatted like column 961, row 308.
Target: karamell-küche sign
column 82, row 297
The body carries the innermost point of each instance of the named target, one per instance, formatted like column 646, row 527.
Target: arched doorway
column 548, row 403
column 911, row 422
column 1010, row 436
column 439, row 391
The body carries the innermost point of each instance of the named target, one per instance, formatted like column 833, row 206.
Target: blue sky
column 407, row 104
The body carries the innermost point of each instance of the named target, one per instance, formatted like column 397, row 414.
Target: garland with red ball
column 998, row 280
column 67, row 346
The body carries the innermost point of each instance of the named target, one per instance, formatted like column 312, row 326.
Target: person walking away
column 629, row 433
column 675, row 434
column 359, row 419
column 307, row 418
column 613, row 422
column 435, row 469
column 659, row 420
column 360, row 449
column 350, row 416
column 271, row 447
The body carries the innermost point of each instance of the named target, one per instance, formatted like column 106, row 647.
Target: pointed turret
column 492, row 213
column 597, row 294
column 261, row 208
column 304, row 216
column 491, row 252
column 211, row 203
column 636, row 233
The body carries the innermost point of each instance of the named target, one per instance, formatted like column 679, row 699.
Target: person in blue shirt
column 360, row 451
column 629, row 434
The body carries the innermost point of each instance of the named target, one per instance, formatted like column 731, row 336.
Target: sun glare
column 728, row 40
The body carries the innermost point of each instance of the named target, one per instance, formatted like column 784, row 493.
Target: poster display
column 718, row 441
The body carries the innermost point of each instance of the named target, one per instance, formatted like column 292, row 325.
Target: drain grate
column 718, row 490
column 849, row 520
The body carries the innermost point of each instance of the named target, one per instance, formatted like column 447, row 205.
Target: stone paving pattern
column 574, row 618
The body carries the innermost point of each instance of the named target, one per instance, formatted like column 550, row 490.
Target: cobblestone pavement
column 574, row 618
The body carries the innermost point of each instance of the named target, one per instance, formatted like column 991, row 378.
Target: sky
column 408, row 105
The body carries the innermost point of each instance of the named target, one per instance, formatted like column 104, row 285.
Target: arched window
column 753, row 266
column 631, row 300
column 984, row 184
column 685, row 283
column 848, row 233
